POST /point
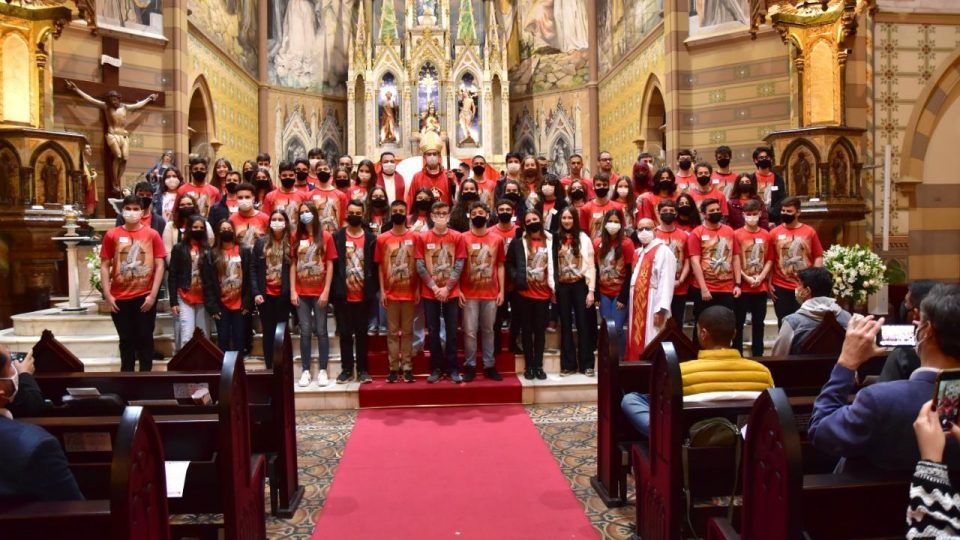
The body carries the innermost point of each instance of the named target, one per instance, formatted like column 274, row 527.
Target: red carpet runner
column 459, row 473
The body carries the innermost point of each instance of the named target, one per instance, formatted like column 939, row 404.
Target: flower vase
column 103, row 307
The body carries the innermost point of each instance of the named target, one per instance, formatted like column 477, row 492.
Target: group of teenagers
column 465, row 247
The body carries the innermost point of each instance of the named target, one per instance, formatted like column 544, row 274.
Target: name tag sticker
column 475, row 246
column 234, row 209
column 408, row 242
column 349, row 243
column 781, row 237
column 758, row 240
column 373, row 225
column 682, row 186
column 716, row 181
column 705, row 237
column 774, row 188
column 124, row 239
column 814, row 200
column 304, row 243
column 431, row 246
column 597, row 215
column 235, row 258
column 513, row 219
column 553, row 210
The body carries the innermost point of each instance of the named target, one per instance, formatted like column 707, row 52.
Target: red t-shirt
column 764, row 181
column 274, row 278
column 231, row 203
column 207, row 195
column 538, row 284
column 612, row 270
column 714, row 193
column 723, row 181
column 439, row 253
column 133, row 255
column 484, row 257
column 331, row 206
column 285, row 202
column 357, row 192
column 591, row 216
column 376, row 224
column 248, row 229
column 794, row 250
column 305, row 187
column 676, row 240
column 685, row 182
column 231, row 279
column 396, row 255
column 488, row 190
column 754, row 253
column 310, row 259
column 355, row 265
column 587, row 185
column 647, row 206
column 716, row 249
column 193, row 295
column 437, row 183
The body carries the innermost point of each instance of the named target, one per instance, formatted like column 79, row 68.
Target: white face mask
column 15, row 380
column 645, row 237
column 389, row 168
column 306, row 218
column 363, row 176
column 623, row 192
column 751, row 220
column 442, row 221
column 548, row 190
column 245, row 204
column 313, row 163
column 433, row 161
column 612, row 228
column 513, row 168
column 278, row 225
column 132, row 216
column 172, row 183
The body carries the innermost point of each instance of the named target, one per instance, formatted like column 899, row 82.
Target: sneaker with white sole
column 305, row 379
column 322, row 379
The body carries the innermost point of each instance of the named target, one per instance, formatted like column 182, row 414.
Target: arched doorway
column 655, row 133
column 201, row 125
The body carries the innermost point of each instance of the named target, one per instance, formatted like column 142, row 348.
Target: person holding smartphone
column 933, row 507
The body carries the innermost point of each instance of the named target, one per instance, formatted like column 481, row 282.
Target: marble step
column 87, row 323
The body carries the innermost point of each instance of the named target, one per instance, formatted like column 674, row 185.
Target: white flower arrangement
column 857, row 272
column 93, row 265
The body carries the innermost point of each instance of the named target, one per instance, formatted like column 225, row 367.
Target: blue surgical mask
column 306, row 218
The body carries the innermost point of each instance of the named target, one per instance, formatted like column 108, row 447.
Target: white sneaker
column 322, row 379
column 305, row 378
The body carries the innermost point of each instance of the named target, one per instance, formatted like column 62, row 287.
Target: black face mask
column 505, row 217
column 145, row 202
column 788, row 218
column 186, row 211
column 723, row 162
column 601, row 192
column 354, row 220
column 703, row 180
column 323, row 176
column 232, row 187
column 470, row 196
column 685, row 211
column 398, row 219
column 227, row 236
column 287, row 183
column 714, row 217
column 478, row 170
column 263, row 184
column 198, row 235
column 668, row 185
column 479, row 221
column 668, row 218
column 530, row 173
column 534, row 227
column 198, row 176
column 378, row 203
column 577, row 194
column 342, row 182
column 685, row 164
column 423, row 205
column 459, row 174
column 248, row 176
column 512, row 197
column 302, row 175
column 764, row 163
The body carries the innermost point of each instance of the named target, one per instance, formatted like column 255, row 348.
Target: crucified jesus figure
column 117, row 136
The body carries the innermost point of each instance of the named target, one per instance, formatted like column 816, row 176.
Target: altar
column 444, row 71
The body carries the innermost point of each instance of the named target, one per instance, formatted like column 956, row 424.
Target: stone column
column 263, row 117
column 593, row 89
column 351, row 117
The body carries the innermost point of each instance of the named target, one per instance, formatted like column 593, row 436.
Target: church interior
column 856, row 103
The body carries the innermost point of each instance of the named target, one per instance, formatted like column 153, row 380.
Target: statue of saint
column 468, row 109
column 89, row 182
column 801, row 174
column 117, row 136
column 50, row 175
column 388, row 119
column 838, row 166
column 429, row 120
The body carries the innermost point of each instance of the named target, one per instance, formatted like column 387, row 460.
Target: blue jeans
column 447, row 313
column 636, row 407
column 479, row 315
column 230, row 329
column 609, row 311
column 313, row 320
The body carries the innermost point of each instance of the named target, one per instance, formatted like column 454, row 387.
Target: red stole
column 641, row 295
column 399, row 186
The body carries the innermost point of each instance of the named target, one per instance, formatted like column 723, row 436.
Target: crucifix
column 117, row 101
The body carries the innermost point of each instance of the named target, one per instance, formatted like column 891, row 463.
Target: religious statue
column 9, row 177
column 50, row 175
column 561, row 155
column 468, row 110
column 838, row 169
column 429, row 9
column 89, row 182
column 429, row 120
column 801, row 174
column 117, row 136
column 388, row 119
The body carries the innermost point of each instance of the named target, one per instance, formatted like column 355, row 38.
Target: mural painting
column 548, row 44
column 468, row 112
column 722, row 14
column 428, row 95
column 622, row 25
column 389, row 110
column 231, row 25
column 308, row 42
column 468, row 24
column 144, row 16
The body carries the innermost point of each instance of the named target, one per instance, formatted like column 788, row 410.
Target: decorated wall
column 554, row 126
column 621, row 25
column 547, row 44
column 143, row 16
column 300, row 122
column 231, row 25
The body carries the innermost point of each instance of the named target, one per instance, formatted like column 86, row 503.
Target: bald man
column 651, row 289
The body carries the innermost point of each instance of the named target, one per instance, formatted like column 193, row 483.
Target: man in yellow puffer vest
column 719, row 372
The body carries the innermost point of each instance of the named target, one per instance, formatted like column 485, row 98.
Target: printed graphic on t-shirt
column 196, row 289
column 274, row 268
column 231, row 282
column 611, row 271
column 537, row 259
column 794, row 252
column 481, row 265
column 716, row 256
column 754, row 256
column 354, row 269
column 400, row 267
column 328, row 209
column 439, row 260
column 134, row 264
column 676, row 246
column 569, row 263
column 311, row 266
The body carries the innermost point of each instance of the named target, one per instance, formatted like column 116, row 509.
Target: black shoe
column 435, row 376
column 344, row 377
column 491, row 373
column 393, row 377
column 408, row 376
column 528, row 374
column 540, row 374
column 365, row 377
column 469, row 373
column 455, row 377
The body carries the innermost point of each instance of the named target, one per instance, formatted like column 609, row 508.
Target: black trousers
column 534, row 314
column 699, row 305
column 354, row 317
column 678, row 308
column 508, row 309
column 273, row 311
column 135, row 329
column 785, row 304
column 571, row 300
column 756, row 305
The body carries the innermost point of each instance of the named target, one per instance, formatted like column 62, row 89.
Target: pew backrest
column 826, row 338
column 197, row 354
column 50, row 355
column 138, row 485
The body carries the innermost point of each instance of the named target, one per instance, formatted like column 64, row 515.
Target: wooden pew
column 224, row 477
column 270, row 397
column 126, row 495
column 780, row 502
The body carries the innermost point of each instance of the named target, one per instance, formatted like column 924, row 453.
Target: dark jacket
column 33, row 466
column 371, row 281
column 900, row 363
column 208, row 273
column 735, row 217
column 516, row 262
column 179, row 276
column 218, row 212
column 258, row 271
column 29, row 399
column 559, row 204
column 157, row 222
column 776, row 197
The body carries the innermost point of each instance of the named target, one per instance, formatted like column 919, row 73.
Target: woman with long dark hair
column 189, row 291
column 220, row 169
column 744, row 188
column 623, row 193
column 270, row 279
column 229, row 293
column 575, row 273
column 469, row 193
column 664, row 187
column 419, row 216
column 615, row 254
column 169, row 184
column 688, row 215
column 552, row 201
column 530, row 267
column 366, row 179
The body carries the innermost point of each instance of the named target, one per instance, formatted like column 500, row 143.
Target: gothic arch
column 51, row 145
column 201, row 120
column 653, row 114
column 934, row 99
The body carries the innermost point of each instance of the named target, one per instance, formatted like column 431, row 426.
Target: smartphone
column 896, row 335
column 946, row 397
column 18, row 356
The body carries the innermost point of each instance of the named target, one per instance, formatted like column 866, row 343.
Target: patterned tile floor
column 568, row 429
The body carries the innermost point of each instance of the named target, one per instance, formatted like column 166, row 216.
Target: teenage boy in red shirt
column 481, row 291
column 796, row 246
column 755, row 261
column 591, row 214
column 206, row 194
column 712, row 248
column 399, row 290
column 248, row 223
column 676, row 239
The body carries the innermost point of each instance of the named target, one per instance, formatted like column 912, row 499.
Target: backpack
column 717, row 432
